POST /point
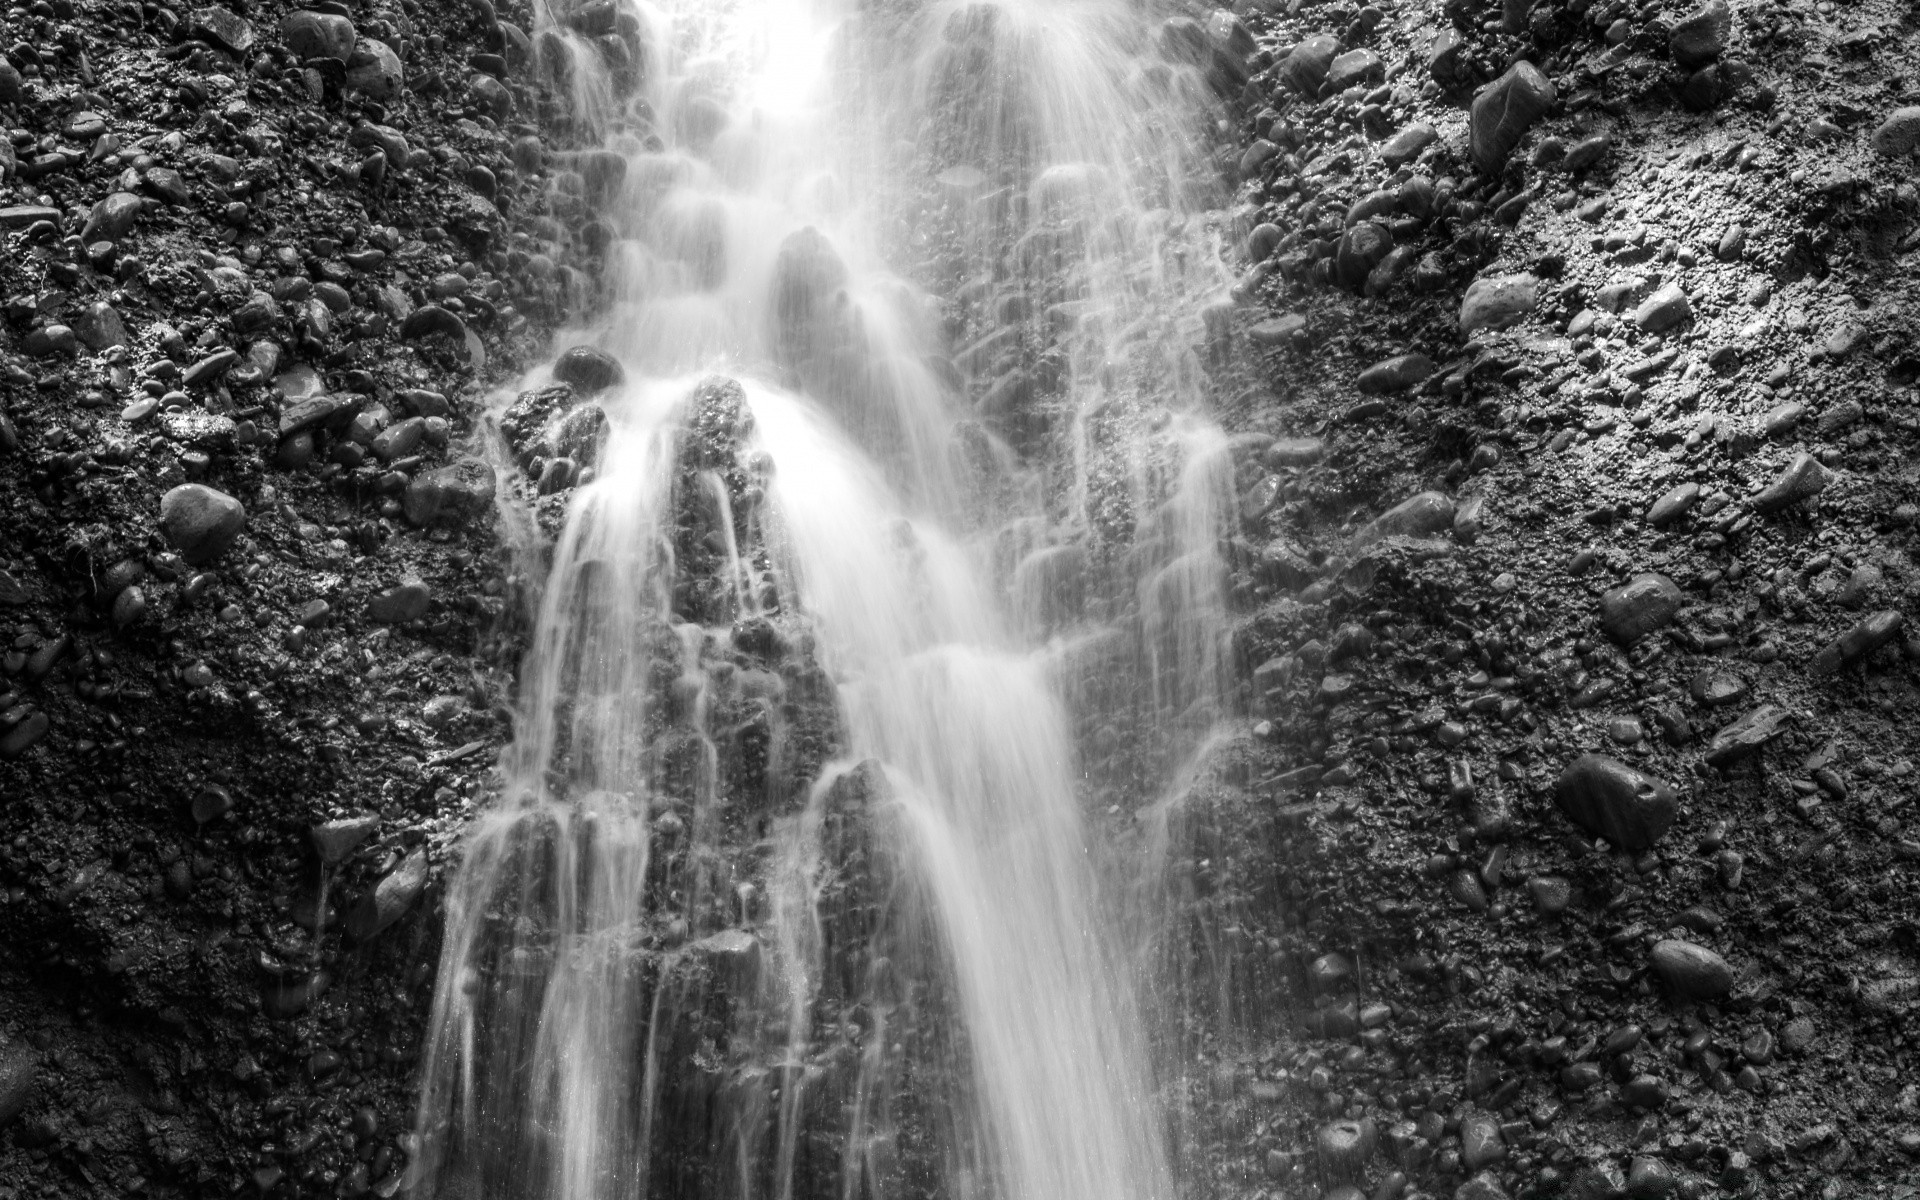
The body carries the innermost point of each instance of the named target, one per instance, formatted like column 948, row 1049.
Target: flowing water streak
column 772, row 159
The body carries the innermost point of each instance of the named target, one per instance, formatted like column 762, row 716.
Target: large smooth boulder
column 200, row 522
column 1618, row 802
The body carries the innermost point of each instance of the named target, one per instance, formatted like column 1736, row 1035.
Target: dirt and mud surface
column 1571, row 377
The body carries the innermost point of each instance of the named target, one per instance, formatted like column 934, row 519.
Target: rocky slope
column 1577, row 533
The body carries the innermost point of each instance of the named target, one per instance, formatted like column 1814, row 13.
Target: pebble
column 1395, row 374
column 1551, row 893
column 112, row 218
column 1495, row 302
column 1608, row 798
column 1421, row 515
column 1644, row 604
column 1677, row 502
column 1691, row 971
column 200, row 522
column 1504, row 111
column 1405, row 145
column 1650, row 1178
column 400, row 603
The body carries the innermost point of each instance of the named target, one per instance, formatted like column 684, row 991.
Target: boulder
column 588, row 370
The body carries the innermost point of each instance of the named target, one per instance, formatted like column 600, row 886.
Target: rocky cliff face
column 1571, row 388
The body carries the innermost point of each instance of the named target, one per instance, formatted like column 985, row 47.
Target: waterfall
column 891, row 563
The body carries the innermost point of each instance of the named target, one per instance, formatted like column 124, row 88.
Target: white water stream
column 952, row 257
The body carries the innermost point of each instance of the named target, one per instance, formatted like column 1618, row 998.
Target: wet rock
column 1862, row 639
column 113, row 218
column 1294, row 452
column 1803, row 479
column 1664, row 309
column 1701, row 36
column 210, row 368
column 1716, row 688
column 1395, row 374
column 22, row 216
column 1676, row 503
column 1481, row 1143
column 335, row 841
column 1620, row 803
column 1747, row 735
column 400, row 603
column 588, row 370
column 1305, row 67
column 313, row 35
column 1343, row 1147
column 99, row 326
column 223, row 28
column 201, row 523
column 1551, row 894
column 27, row 730
column 1483, row 1186
column 1406, row 145
column 1422, row 515
column 1690, row 971
column 1495, row 302
column 450, row 495
column 390, row 898
column 1643, row 604
column 12, row 88
column 19, row 1066
column 283, row 999
column 1899, row 135
column 375, row 71
column 1503, row 112
column 431, row 319
column 1278, row 331
column 1353, row 67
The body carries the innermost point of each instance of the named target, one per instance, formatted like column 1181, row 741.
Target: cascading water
column 790, row 892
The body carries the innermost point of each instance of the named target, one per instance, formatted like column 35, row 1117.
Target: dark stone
column 1620, row 803
column 390, row 898
column 1503, row 112
column 318, row 35
column 1305, row 67
column 1862, row 639
column 1692, row 972
column 1747, row 735
column 222, row 28
column 1640, row 606
column 201, row 523
column 19, row 1066
column 1701, row 36
column 1395, row 374
column 1803, row 479
column 588, row 370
